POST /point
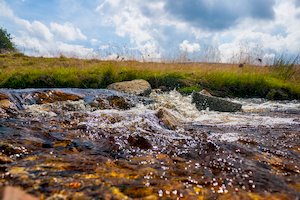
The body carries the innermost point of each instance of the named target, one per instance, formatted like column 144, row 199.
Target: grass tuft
column 278, row 81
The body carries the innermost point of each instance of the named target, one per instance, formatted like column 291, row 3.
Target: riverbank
column 273, row 82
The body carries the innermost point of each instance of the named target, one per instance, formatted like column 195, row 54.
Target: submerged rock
column 137, row 87
column 139, row 141
column 204, row 101
column 5, row 159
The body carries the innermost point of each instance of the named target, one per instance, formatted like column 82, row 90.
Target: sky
column 205, row 30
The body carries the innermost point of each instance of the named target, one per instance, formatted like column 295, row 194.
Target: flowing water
column 100, row 144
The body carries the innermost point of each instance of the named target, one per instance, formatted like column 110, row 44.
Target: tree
column 6, row 43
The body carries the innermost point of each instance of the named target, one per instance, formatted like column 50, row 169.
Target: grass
column 279, row 81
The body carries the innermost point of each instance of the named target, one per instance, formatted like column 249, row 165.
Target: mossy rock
column 278, row 94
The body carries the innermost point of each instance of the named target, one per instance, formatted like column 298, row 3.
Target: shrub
column 5, row 41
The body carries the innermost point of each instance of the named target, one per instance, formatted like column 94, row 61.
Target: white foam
column 228, row 137
column 183, row 108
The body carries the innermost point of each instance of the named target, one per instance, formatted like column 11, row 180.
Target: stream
column 102, row 144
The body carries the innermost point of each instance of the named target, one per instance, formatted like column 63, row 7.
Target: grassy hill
column 280, row 81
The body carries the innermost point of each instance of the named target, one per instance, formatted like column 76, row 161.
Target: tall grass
column 222, row 79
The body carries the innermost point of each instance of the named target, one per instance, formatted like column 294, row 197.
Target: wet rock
column 278, row 94
column 9, row 149
column 169, row 120
column 52, row 96
column 111, row 102
column 3, row 96
column 3, row 113
column 57, row 197
column 118, row 103
column 203, row 102
column 99, row 103
column 6, row 104
column 140, row 142
column 7, row 108
column 14, row 193
column 5, row 159
column 137, row 87
column 205, row 92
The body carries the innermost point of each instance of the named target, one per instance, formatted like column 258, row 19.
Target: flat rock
column 204, row 101
column 137, row 87
column 52, row 96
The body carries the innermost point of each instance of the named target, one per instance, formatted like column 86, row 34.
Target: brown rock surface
column 137, row 87
column 3, row 96
column 52, row 96
column 169, row 120
column 14, row 193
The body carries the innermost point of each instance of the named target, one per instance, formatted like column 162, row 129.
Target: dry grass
column 19, row 71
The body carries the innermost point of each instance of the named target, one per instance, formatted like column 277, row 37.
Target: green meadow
column 280, row 80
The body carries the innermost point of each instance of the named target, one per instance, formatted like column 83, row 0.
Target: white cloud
column 67, row 31
column 40, row 30
column 245, row 39
column 128, row 20
column 188, row 47
column 147, row 29
column 5, row 11
column 36, row 47
column 36, row 39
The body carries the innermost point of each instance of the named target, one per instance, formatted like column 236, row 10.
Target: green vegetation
column 5, row 41
column 19, row 71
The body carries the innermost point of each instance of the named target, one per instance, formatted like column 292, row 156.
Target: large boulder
column 204, row 101
column 137, row 87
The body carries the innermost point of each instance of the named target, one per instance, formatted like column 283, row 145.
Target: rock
column 111, row 102
column 5, row 159
column 3, row 113
column 3, row 96
column 203, row 102
column 9, row 149
column 137, row 87
column 52, row 96
column 118, row 102
column 169, row 120
column 278, row 94
column 205, row 92
column 14, row 193
column 140, row 142
column 6, row 104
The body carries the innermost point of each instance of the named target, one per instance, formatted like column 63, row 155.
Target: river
column 101, row 144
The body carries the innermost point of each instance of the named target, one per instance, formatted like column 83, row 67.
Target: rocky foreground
column 102, row 144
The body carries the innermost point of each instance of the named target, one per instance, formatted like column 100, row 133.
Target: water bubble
column 160, row 193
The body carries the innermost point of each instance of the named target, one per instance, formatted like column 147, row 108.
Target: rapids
column 101, row 144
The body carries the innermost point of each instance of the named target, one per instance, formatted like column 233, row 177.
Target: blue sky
column 207, row 30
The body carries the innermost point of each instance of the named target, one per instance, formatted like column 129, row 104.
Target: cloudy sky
column 209, row 30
